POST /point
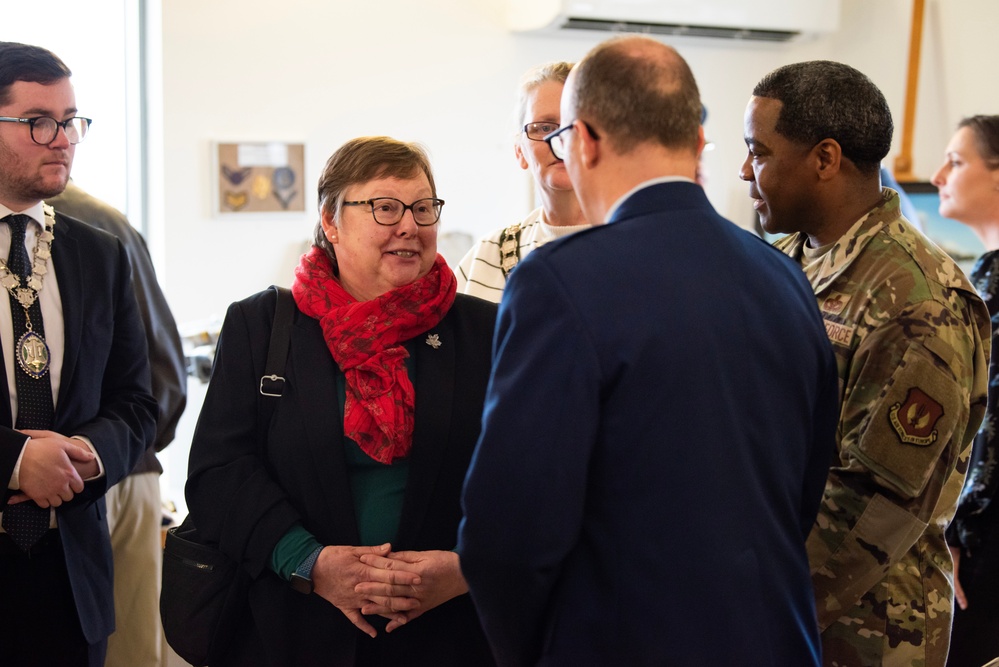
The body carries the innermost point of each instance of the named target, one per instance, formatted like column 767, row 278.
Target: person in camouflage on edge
column 912, row 340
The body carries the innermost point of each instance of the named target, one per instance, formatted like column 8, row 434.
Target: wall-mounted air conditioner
column 759, row 20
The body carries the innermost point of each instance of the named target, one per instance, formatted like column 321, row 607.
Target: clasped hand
column 399, row 586
column 439, row 580
column 53, row 468
column 339, row 570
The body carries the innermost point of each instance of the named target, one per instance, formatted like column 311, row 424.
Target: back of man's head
column 638, row 90
column 822, row 99
column 23, row 62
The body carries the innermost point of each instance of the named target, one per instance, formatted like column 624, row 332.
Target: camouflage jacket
column 912, row 340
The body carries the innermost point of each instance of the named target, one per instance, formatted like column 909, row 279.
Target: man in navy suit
column 76, row 411
column 661, row 411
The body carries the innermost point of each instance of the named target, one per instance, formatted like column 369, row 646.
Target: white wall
column 444, row 72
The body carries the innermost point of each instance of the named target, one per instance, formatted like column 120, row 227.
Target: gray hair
column 557, row 71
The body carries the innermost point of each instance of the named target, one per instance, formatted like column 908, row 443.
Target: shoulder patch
column 915, row 419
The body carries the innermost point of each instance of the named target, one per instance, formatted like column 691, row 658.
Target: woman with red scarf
column 344, row 508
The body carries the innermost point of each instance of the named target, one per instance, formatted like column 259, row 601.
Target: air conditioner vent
column 749, row 34
column 761, row 21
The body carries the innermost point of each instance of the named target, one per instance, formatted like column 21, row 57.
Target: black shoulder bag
column 204, row 592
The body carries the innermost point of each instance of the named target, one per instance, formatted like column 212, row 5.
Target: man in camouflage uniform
column 912, row 341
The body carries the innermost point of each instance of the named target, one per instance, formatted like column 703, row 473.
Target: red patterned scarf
column 365, row 339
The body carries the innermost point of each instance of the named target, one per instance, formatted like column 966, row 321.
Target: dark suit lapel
column 69, row 270
column 435, row 367
column 315, row 377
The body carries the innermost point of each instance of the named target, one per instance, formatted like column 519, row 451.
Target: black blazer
column 166, row 352
column 103, row 394
column 246, row 501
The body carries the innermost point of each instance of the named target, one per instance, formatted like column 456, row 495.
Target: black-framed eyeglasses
column 388, row 211
column 44, row 129
column 539, row 130
column 557, row 143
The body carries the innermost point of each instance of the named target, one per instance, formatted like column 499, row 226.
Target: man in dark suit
column 76, row 412
column 135, row 507
column 661, row 409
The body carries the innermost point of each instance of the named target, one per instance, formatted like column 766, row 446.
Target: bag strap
column 272, row 383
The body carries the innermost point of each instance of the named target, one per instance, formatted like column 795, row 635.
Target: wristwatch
column 301, row 578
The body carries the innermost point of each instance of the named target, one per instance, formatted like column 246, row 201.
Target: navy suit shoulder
column 688, row 219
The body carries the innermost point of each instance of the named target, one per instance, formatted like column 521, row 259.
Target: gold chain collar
column 26, row 295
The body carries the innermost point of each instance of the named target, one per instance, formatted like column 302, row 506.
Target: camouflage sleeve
column 904, row 422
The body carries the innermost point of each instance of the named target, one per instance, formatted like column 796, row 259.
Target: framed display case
column 259, row 177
